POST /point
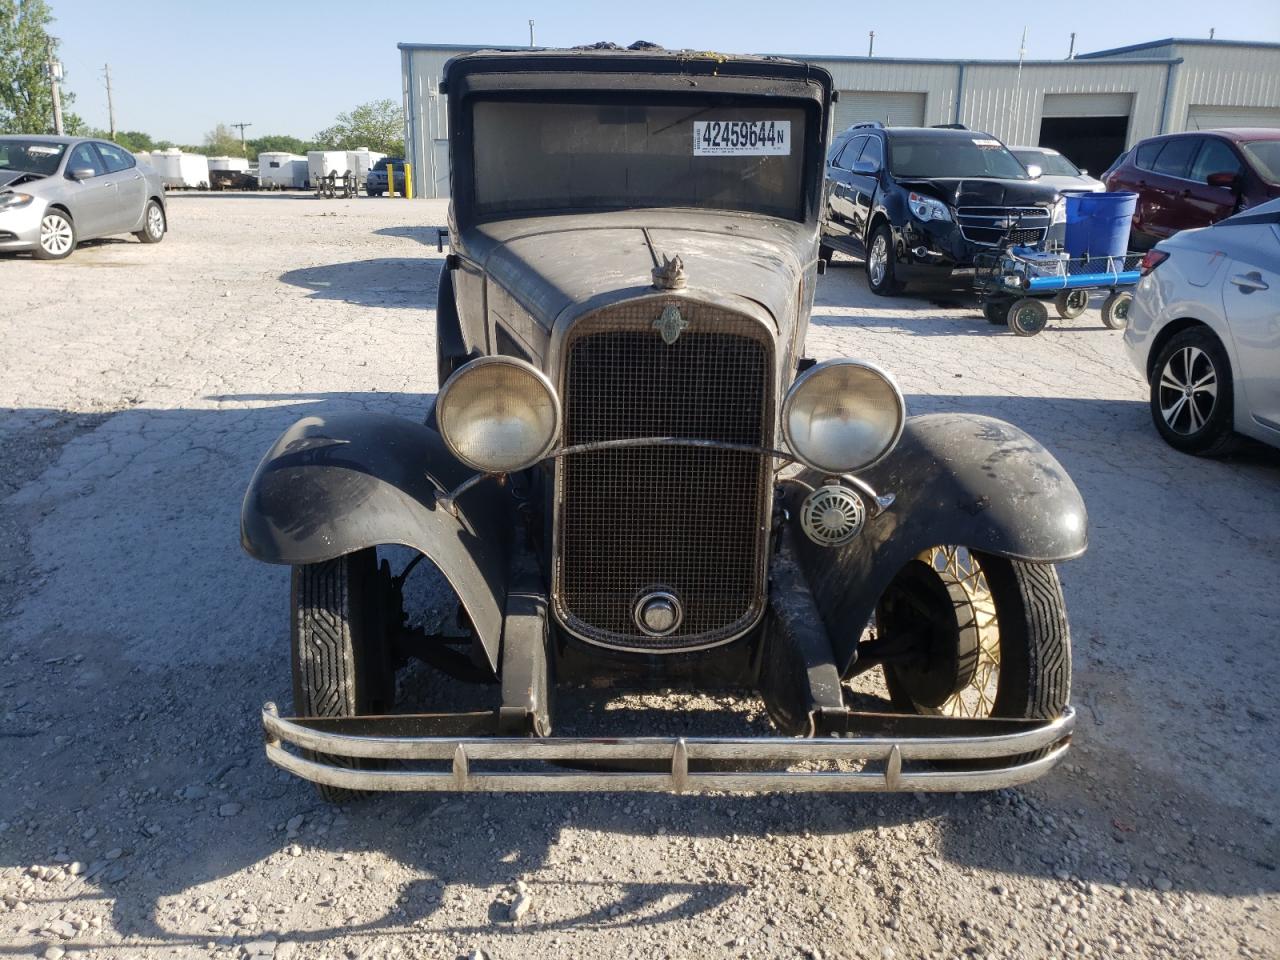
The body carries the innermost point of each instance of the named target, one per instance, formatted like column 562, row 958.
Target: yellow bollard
column 408, row 181
column 391, row 180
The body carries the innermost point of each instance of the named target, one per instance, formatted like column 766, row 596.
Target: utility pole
column 111, row 107
column 871, row 45
column 1211, row 32
column 531, row 33
column 241, row 126
column 55, row 74
column 1072, row 52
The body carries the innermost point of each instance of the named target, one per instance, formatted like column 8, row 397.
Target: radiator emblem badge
column 670, row 324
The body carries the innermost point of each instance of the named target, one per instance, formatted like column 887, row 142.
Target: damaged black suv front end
column 633, row 475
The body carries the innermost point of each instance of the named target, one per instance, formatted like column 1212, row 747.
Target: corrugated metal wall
column 994, row 96
column 1223, row 77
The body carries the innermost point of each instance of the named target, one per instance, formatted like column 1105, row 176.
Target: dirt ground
column 140, row 385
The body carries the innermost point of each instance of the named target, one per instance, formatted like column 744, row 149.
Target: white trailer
column 282, row 171
column 238, row 164
column 361, row 161
column 322, row 163
column 181, row 171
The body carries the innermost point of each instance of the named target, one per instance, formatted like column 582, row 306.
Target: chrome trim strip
column 461, row 753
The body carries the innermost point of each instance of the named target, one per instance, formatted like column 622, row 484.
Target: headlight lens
column 498, row 414
column 11, row 201
column 927, row 208
column 842, row 415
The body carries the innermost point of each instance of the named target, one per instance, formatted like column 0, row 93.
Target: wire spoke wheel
column 968, row 634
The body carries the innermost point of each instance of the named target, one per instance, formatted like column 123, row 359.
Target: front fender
column 956, row 479
column 336, row 484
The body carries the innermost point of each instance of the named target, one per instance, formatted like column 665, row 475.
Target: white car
column 1057, row 171
column 1204, row 329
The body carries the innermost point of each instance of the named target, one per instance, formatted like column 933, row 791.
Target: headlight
column 927, row 208
column 1059, row 211
column 842, row 415
column 11, row 201
column 498, row 414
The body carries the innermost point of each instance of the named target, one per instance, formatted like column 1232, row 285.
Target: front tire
column 342, row 665
column 154, row 224
column 990, row 637
column 1192, row 404
column 882, row 264
column 997, row 312
column 57, row 236
column 1028, row 316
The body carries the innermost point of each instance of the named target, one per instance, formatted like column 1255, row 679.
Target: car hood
column 18, row 178
column 563, row 266
column 983, row 192
column 1064, row 183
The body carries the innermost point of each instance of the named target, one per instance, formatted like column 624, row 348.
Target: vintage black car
column 633, row 475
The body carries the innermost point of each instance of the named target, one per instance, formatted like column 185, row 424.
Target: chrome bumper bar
column 456, row 756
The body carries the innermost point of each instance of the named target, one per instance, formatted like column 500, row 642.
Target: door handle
column 1249, row 282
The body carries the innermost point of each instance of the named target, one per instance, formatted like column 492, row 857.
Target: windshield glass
column 925, row 156
column 30, row 156
column 1265, row 157
column 560, row 156
column 1053, row 164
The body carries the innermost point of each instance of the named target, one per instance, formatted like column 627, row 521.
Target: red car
column 1193, row 179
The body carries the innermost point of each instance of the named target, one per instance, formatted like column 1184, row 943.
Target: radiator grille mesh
column 690, row 520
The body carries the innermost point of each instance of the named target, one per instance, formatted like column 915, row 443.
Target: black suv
column 918, row 203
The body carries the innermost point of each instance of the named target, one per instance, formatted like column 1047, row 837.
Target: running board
column 996, row 748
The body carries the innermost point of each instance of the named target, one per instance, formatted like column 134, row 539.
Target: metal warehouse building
column 1090, row 107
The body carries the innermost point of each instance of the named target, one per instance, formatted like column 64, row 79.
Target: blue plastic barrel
column 1098, row 223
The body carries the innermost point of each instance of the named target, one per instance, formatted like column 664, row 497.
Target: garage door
column 1087, row 105
column 1211, row 118
column 894, row 109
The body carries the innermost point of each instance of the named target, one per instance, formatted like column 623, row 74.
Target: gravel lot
column 138, row 818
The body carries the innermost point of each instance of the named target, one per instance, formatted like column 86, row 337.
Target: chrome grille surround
column 694, row 521
column 992, row 226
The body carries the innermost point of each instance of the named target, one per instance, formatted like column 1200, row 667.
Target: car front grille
column 996, row 226
column 692, row 521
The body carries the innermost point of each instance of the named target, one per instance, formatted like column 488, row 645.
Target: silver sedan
column 1204, row 328
column 58, row 191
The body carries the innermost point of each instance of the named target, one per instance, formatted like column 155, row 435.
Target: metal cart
column 1012, row 286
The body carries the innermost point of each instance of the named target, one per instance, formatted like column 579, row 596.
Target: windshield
column 1053, row 164
column 1265, row 157
column 925, row 156
column 31, row 156
column 559, row 156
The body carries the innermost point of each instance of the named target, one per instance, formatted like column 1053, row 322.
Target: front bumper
column 981, row 754
column 20, row 228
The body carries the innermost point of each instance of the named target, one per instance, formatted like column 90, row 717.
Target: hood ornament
column 669, row 276
column 670, row 324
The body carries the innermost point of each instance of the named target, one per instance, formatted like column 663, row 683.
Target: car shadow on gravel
column 143, row 642
column 428, row 236
column 396, row 282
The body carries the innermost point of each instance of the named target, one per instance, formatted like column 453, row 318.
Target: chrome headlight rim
column 794, row 391
column 522, row 365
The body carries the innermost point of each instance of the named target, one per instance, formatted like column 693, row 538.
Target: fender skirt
column 336, row 484
column 956, row 479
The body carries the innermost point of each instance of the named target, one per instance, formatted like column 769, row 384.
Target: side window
column 84, row 157
column 115, row 158
column 873, row 151
column 850, row 153
column 832, row 155
column 1175, row 158
column 1145, row 157
column 1214, row 157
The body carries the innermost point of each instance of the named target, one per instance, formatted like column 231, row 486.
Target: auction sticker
column 742, row 138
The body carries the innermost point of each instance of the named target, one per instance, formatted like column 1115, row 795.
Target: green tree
column 135, row 141
column 26, row 102
column 278, row 143
column 221, row 142
column 378, row 125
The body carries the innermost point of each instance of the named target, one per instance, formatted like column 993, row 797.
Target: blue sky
column 179, row 68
